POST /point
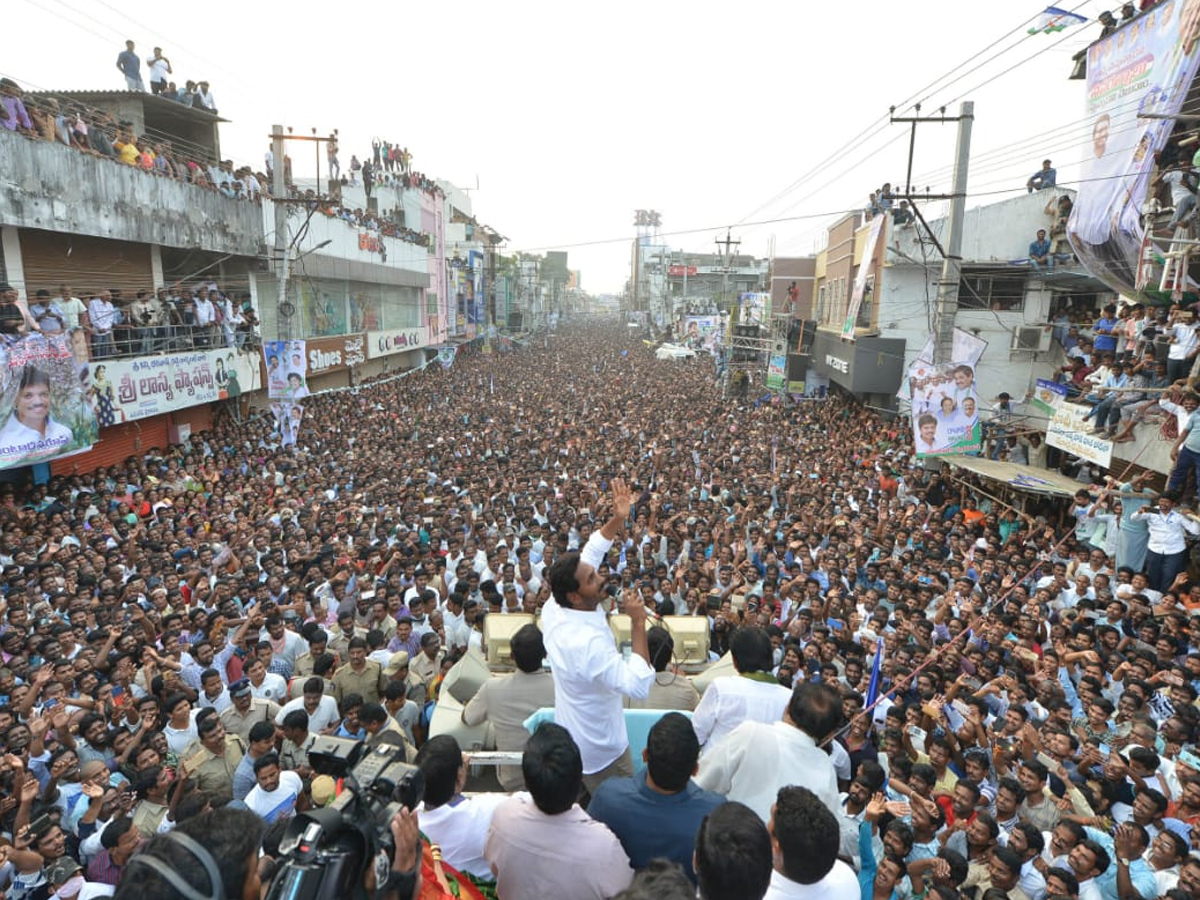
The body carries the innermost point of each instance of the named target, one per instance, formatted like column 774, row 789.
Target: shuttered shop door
column 85, row 264
column 117, row 444
column 199, row 417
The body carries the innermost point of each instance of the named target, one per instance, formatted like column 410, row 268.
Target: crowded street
column 1021, row 679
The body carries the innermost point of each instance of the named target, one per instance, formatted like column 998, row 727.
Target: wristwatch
column 1124, row 860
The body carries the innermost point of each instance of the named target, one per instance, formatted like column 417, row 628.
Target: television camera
column 325, row 852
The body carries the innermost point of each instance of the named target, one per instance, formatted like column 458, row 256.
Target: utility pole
column 278, row 195
column 947, row 302
column 726, row 259
column 952, row 263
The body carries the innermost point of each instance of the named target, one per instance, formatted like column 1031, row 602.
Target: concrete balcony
column 52, row 187
column 351, row 252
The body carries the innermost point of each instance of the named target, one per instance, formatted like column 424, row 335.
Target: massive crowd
column 178, row 630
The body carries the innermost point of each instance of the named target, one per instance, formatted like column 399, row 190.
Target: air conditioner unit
column 1032, row 339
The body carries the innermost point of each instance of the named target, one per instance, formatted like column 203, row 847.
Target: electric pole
column 726, row 259
column 283, row 321
column 952, row 263
column 947, row 302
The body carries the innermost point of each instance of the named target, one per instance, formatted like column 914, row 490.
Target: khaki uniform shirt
column 370, row 682
column 215, row 773
column 259, row 711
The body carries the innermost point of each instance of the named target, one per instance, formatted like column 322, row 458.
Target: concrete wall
column 997, row 232
column 904, row 297
column 408, row 261
column 801, row 270
column 55, row 188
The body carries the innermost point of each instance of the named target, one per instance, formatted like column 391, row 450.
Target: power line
column 874, row 128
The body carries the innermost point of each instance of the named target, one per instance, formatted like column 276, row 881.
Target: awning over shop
column 1017, row 476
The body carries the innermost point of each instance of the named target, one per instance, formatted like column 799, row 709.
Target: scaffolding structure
column 749, row 347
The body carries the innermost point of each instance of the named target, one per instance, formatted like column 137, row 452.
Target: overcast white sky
column 573, row 115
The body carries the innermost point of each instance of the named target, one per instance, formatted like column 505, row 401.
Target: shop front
column 868, row 366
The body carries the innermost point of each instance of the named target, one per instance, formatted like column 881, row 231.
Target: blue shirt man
column 1039, row 250
column 658, row 811
column 1103, row 336
column 1043, row 178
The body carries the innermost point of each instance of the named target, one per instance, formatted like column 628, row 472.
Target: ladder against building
column 1176, row 261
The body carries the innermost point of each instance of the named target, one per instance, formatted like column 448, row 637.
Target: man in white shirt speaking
column 590, row 674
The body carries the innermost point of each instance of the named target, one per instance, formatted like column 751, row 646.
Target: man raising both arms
column 590, row 674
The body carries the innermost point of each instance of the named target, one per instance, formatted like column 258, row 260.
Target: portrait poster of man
column 945, row 409
column 44, row 405
column 1137, row 79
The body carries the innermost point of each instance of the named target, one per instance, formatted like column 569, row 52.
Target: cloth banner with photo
column 446, row 356
column 701, row 331
column 287, row 369
column 860, row 277
column 945, row 409
column 287, row 421
column 754, row 308
column 966, row 351
column 1137, row 79
column 44, row 401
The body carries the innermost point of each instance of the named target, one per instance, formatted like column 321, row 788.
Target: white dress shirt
column 590, row 675
column 460, row 828
column 326, row 713
column 840, row 884
column 1166, row 532
column 734, row 699
column 756, row 760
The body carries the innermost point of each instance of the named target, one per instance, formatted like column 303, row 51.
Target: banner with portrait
column 1137, row 79
column 125, row 390
column 288, row 417
column 865, row 265
column 701, row 331
column 287, row 369
column 44, row 402
column 944, row 399
column 446, row 356
column 754, row 308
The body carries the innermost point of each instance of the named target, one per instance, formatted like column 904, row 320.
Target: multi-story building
column 368, row 297
column 1001, row 299
column 698, row 283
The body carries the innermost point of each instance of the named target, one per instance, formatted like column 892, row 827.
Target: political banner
column 1067, row 429
column 945, row 409
column 288, row 416
column 129, row 389
column 861, row 276
column 287, row 369
column 701, row 331
column 776, row 372
column 1137, row 79
column 44, row 401
column 754, row 308
column 446, row 356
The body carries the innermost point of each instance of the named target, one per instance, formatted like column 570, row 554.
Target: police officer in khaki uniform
column 209, row 763
column 245, row 710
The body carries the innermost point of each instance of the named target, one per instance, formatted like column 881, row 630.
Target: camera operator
column 143, row 316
